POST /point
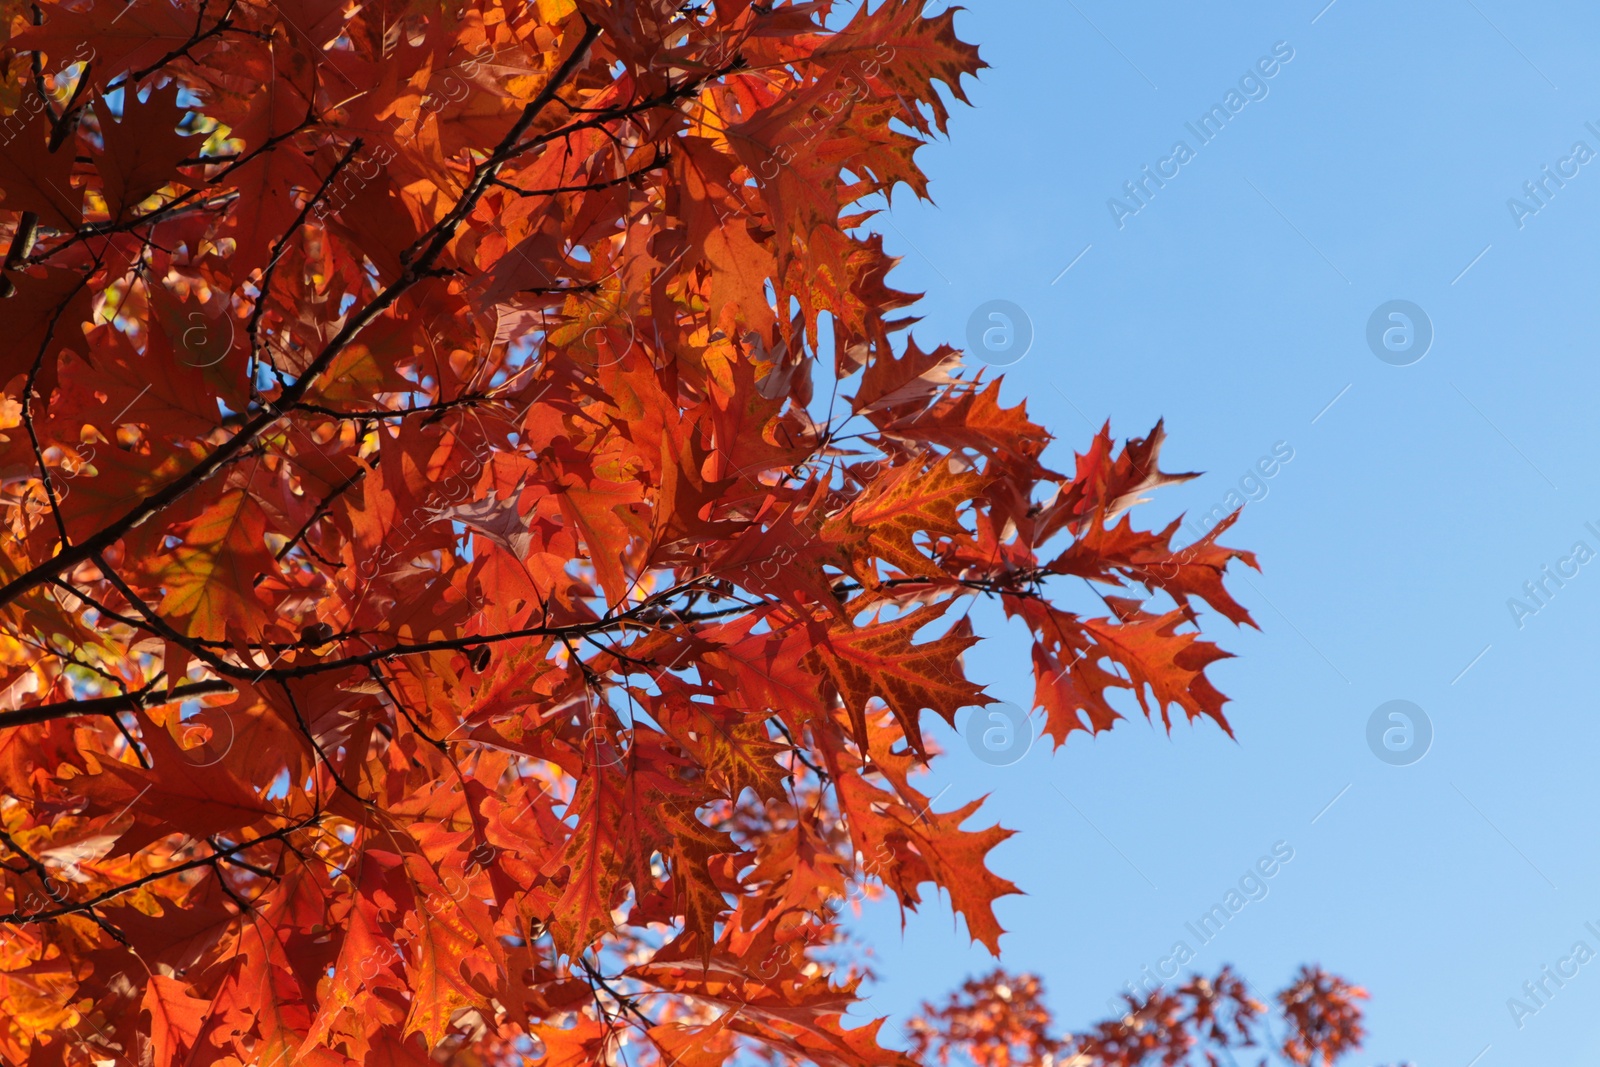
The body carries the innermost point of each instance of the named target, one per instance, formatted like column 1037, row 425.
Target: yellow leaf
column 211, row 576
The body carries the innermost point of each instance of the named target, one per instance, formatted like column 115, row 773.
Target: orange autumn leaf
column 176, row 1019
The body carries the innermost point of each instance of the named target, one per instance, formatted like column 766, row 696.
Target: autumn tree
column 481, row 536
column 1001, row 1020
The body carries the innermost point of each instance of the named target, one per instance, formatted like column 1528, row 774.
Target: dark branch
column 17, row 918
column 148, row 697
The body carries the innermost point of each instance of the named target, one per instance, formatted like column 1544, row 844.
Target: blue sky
column 1374, row 165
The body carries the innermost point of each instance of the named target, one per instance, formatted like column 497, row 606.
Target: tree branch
column 17, row 918
column 148, row 697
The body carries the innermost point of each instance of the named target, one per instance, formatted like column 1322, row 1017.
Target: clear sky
column 1374, row 165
